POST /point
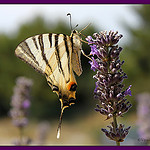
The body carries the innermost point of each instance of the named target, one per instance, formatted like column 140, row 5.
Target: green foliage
column 137, row 53
column 45, row 104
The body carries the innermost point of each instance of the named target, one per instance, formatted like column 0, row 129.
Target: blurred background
column 81, row 124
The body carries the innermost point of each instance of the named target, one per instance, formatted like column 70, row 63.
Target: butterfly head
column 75, row 33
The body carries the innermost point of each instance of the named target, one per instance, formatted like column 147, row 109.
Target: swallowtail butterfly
column 56, row 56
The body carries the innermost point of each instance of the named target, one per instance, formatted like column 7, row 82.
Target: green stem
column 115, row 126
column 21, row 135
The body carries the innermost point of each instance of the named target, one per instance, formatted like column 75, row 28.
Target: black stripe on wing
column 40, row 38
column 67, row 50
column 48, row 78
column 50, row 39
column 35, row 43
column 23, row 52
column 58, row 55
column 72, row 43
column 26, row 49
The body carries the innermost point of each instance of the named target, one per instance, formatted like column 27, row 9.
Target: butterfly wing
column 76, row 53
column 51, row 54
column 76, row 62
column 29, row 51
column 64, row 82
column 56, row 56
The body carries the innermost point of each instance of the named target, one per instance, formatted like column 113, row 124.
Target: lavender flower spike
column 109, row 87
column 143, row 119
column 20, row 104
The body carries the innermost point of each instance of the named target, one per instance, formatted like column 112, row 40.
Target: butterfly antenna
column 71, row 23
column 75, row 26
column 84, row 28
column 59, row 125
column 70, row 20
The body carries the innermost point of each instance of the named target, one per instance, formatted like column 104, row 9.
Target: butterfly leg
column 86, row 55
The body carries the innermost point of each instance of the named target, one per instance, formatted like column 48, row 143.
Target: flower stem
column 21, row 135
column 115, row 126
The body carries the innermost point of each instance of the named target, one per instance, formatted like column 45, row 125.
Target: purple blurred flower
column 25, row 141
column 143, row 112
column 43, row 130
column 20, row 102
column 26, row 104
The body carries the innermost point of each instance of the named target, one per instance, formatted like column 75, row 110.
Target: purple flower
column 94, row 50
column 25, row 141
column 109, row 87
column 143, row 119
column 20, row 102
column 20, row 122
column 116, row 134
column 89, row 39
column 128, row 91
column 95, row 90
column 26, row 104
column 109, row 76
column 94, row 64
column 43, row 130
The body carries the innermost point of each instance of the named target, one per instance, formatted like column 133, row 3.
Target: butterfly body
column 56, row 56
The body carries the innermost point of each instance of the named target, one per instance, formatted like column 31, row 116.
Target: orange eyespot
column 72, row 86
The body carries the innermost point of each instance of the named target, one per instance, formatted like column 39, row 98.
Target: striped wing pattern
column 55, row 56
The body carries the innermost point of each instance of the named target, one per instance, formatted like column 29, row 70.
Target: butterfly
column 56, row 56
